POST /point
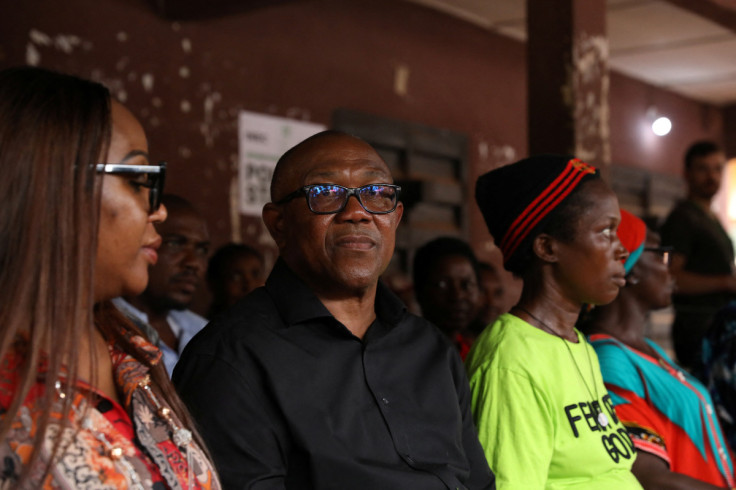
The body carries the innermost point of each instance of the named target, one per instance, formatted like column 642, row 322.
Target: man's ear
column 398, row 213
column 273, row 218
column 545, row 247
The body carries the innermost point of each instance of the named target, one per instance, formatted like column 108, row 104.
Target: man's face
column 182, row 261
column 339, row 254
column 704, row 175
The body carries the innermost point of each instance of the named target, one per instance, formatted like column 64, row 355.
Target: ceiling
column 652, row 40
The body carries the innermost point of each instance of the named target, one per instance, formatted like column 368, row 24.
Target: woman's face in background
column 451, row 297
column 244, row 274
column 650, row 277
column 127, row 240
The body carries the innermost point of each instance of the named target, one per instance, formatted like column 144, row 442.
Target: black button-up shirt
column 287, row 397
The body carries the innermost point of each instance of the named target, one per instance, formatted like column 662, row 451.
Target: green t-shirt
column 537, row 419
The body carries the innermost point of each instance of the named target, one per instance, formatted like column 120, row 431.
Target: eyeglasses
column 664, row 252
column 155, row 177
column 332, row 198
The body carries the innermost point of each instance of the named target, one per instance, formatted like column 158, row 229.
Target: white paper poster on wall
column 262, row 141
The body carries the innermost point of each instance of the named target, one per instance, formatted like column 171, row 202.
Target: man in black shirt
column 322, row 379
column 702, row 261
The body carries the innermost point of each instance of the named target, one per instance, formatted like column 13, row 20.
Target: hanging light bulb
column 662, row 126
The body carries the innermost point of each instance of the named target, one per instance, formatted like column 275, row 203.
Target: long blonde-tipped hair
column 54, row 128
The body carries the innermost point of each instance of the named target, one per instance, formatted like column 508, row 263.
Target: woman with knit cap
column 543, row 414
column 679, row 443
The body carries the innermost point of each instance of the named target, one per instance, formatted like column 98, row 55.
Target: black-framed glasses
column 663, row 252
column 332, row 198
column 155, row 177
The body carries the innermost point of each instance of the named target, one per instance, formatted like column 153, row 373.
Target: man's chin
column 708, row 192
column 179, row 301
column 353, row 284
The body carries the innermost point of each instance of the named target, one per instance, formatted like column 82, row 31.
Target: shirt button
column 709, row 410
column 384, row 400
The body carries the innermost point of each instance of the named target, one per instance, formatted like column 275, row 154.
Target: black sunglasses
column 332, row 198
column 155, row 182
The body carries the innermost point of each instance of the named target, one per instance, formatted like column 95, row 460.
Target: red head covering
column 632, row 232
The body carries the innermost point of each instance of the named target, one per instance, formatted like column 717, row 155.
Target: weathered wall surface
column 187, row 81
column 632, row 142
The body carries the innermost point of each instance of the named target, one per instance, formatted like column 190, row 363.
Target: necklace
column 180, row 436
column 112, row 451
column 602, row 417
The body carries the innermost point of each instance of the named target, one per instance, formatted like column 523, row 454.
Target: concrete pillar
column 568, row 82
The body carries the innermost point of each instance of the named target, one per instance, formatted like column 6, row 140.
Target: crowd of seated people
column 315, row 375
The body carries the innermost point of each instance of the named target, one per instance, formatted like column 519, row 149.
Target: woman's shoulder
column 614, row 353
column 510, row 343
column 621, row 365
column 511, row 330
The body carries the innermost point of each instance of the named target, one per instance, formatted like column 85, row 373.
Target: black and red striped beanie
column 517, row 200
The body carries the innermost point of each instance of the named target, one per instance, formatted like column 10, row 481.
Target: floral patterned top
column 141, row 444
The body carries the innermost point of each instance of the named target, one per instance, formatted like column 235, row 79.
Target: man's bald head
column 291, row 160
column 178, row 204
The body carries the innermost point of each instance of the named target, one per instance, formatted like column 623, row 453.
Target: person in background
column 161, row 311
column 234, row 271
column 321, row 379
column 703, row 256
column 446, row 287
column 84, row 399
column 492, row 295
column 667, row 412
column 543, row 414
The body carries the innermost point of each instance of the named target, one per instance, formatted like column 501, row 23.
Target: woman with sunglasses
column 667, row 412
column 84, row 398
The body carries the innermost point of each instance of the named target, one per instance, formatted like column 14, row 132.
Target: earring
column 633, row 280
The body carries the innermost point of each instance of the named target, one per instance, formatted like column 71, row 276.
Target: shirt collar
column 389, row 307
column 294, row 300
column 129, row 309
column 297, row 303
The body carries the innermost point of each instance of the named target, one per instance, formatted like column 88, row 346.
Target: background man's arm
column 690, row 283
